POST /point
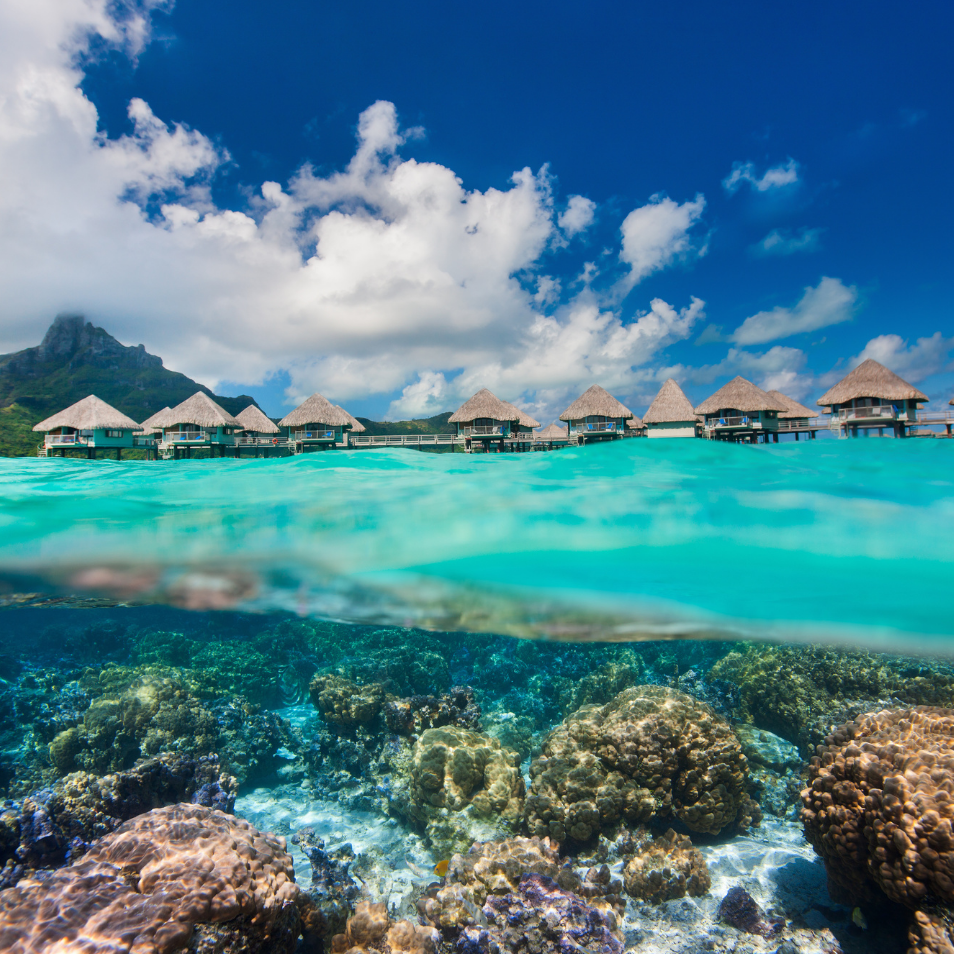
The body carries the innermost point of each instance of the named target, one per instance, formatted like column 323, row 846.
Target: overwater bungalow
column 153, row 424
column 199, row 422
column 872, row 396
column 90, row 426
column 635, row 427
column 551, row 436
column 356, row 426
column 596, row 416
column 316, row 424
column 486, row 423
column 671, row 414
column 260, row 434
column 739, row 411
column 798, row 419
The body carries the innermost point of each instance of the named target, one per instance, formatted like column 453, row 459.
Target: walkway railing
column 801, row 424
column 399, row 440
column 935, row 417
column 278, row 441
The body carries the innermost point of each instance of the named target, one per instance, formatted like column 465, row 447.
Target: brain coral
column 880, row 805
column 462, row 787
column 343, row 703
column 167, row 878
column 650, row 753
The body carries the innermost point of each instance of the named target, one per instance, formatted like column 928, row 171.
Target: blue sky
column 710, row 189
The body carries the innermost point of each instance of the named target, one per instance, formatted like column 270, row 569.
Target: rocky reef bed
column 438, row 792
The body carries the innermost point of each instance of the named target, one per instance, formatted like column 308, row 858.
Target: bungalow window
column 113, row 433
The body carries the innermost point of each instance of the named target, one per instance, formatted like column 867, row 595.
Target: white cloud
column 657, row 234
column 830, row 303
column 578, row 215
column 386, row 276
column 775, row 177
column 785, row 242
column 913, row 362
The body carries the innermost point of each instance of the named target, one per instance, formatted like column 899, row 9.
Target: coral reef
column 742, row 911
column 371, row 929
column 775, row 767
column 333, row 892
column 417, row 714
column 802, row 692
column 540, row 917
column 880, row 805
column 665, row 868
column 930, row 934
column 59, row 822
column 345, row 704
column 649, row 754
column 171, row 877
column 461, row 787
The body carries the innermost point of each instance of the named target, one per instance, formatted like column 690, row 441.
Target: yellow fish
column 440, row 869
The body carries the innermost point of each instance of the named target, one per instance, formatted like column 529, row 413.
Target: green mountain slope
column 429, row 425
column 76, row 359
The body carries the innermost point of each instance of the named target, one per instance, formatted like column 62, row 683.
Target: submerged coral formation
column 462, row 787
column 649, row 754
column 664, row 868
column 173, row 876
column 802, row 692
column 371, row 929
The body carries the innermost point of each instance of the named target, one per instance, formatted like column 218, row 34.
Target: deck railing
column 874, row 412
column 742, row 421
column 186, row 437
column 261, row 441
column 53, row 440
column 591, row 428
column 315, row 435
column 483, row 430
column 800, row 424
column 398, row 440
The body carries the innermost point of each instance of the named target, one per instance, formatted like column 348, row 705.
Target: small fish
column 440, row 869
column 420, row 873
column 859, row 919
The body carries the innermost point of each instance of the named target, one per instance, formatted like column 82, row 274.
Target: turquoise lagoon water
column 849, row 540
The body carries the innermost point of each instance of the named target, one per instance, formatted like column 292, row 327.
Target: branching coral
column 649, row 754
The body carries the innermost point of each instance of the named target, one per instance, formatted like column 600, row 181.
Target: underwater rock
column 59, row 822
column 775, row 767
column 802, row 692
column 416, row 714
column 461, row 787
column 742, row 911
column 879, row 807
column 543, row 918
column 649, row 754
column 333, row 892
column 371, row 929
column 930, row 934
column 345, row 704
column 176, row 876
column 665, row 868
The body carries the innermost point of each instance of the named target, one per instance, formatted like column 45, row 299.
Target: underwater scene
column 622, row 698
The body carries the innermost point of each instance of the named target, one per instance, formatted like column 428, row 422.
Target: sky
column 399, row 204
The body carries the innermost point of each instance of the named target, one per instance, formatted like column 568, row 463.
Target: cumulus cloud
column 578, row 215
column 775, row 177
column 785, row 242
column 829, row 303
column 915, row 362
column 386, row 276
column 657, row 234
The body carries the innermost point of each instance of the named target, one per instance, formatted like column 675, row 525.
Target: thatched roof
column 485, row 404
column 743, row 396
column 356, row 426
column 87, row 415
column 551, row 433
column 202, row 411
column 874, row 380
column 316, row 410
column 157, row 421
column 669, row 405
column 635, row 422
column 525, row 419
column 795, row 410
column 595, row 400
column 253, row 419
